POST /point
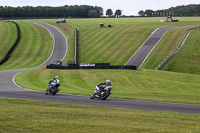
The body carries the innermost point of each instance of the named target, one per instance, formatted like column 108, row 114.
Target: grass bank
column 164, row 48
column 68, row 31
column 187, row 60
column 34, row 48
column 8, row 36
column 129, row 84
column 33, row 116
column 116, row 44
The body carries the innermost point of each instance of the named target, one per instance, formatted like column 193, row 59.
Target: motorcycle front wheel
column 54, row 90
column 104, row 95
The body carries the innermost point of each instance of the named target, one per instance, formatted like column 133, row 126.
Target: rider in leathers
column 51, row 82
column 107, row 83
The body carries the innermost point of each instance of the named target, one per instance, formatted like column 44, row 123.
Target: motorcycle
column 53, row 88
column 102, row 92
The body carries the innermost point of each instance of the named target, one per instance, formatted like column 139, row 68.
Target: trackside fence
column 76, row 47
column 86, row 65
column 5, row 58
column 91, row 66
column 177, row 48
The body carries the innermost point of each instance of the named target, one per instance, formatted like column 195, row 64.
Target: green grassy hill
column 34, row 48
column 118, row 43
column 141, row 85
column 187, row 60
column 164, row 48
column 8, row 36
column 68, row 31
column 114, row 45
column 32, row 116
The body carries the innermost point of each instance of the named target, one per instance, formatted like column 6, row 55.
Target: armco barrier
column 98, row 66
column 177, row 48
column 5, row 58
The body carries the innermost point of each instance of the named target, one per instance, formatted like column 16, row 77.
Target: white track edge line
column 152, row 49
column 142, row 45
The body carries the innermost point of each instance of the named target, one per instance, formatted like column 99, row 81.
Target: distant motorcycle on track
column 101, row 92
column 53, row 89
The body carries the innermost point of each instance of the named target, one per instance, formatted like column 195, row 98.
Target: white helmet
column 107, row 81
column 56, row 77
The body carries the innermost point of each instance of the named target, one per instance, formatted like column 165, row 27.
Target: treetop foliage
column 118, row 13
column 109, row 12
column 188, row 10
column 81, row 11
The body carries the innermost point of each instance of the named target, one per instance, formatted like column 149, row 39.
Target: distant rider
column 51, row 82
column 106, row 84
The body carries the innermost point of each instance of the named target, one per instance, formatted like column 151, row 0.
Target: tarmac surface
column 143, row 52
column 10, row 90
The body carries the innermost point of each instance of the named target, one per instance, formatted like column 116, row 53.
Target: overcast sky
column 129, row 7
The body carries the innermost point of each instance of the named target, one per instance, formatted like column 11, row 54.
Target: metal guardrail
column 177, row 49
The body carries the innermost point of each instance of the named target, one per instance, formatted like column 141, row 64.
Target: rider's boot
column 47, row 92
column 99, row 94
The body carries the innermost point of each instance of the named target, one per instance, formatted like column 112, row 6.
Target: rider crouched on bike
column 51, row 83
column 106, row 84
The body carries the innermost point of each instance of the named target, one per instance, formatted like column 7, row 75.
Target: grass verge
column 147, row 85
column 33, row 116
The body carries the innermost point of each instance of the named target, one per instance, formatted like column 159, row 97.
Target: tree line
column 83, row 11
column 188, row 10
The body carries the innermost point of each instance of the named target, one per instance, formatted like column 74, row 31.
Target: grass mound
column 164, row 48
column 187, row 60
column 8, row 36
column 68, row 31
column 118, row 43
column 34, row 48
column 113, row 45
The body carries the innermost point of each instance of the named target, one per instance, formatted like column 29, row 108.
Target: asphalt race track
column 142, row 53
column 10, row 90
column 110, row 102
